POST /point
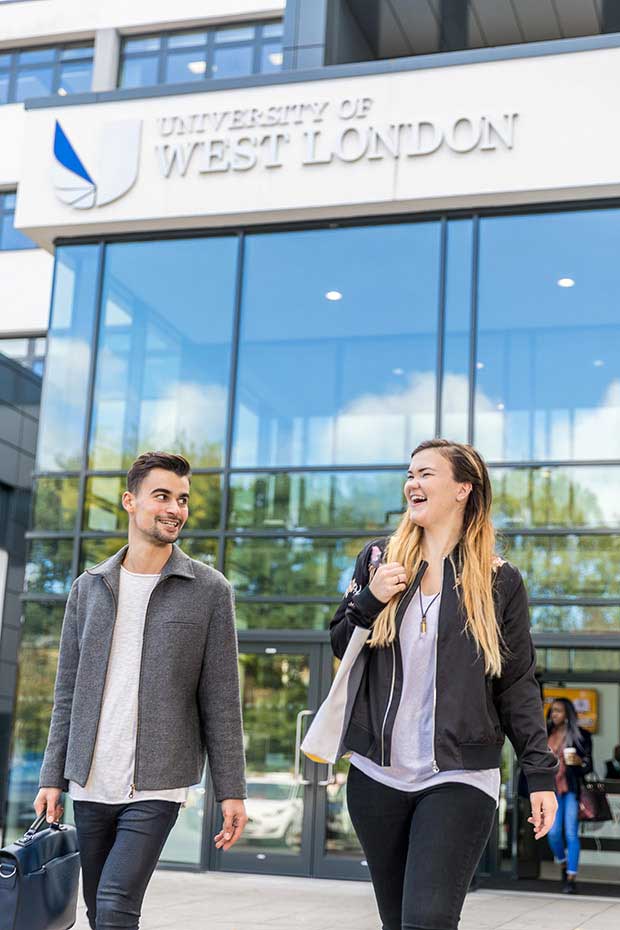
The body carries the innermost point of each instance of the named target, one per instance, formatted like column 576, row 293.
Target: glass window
column 456, row 350
column 186, row 66
column 251, row 616
column 271, row 58
column 273, row 30
column 102, row 507
column 48, row 567
column 75, row 78
column 197, row 55
column 550, row 618
column 55, row 504
column 294, row 566
column 139, row 72
column 164, row 351
column 38, row 657
column 549, row 337
column 232, row 62
column 37, row 56
column 235, row 34
column 184, row 39
column 4, row 87
column 342, row 370
column 94, row 551
column 200, row 548
column 568, row 566
column 185, row 840
column 581, row 495
column 146, row 44
column 364, row 500
column 34, row 82
column 70, row 339
column 76, row 51
column 10, row 238
column 40, row 72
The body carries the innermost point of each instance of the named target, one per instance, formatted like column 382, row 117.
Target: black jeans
column 119, row 848
column 422, row 848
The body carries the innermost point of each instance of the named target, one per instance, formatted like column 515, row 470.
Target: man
column 612, row 766
column 147, row 683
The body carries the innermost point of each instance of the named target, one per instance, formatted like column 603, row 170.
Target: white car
column 275, row 809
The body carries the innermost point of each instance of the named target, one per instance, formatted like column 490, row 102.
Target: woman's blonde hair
column 476, row 561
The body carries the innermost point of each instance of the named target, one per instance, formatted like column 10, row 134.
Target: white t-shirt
column 412, row 749
column 112, row 770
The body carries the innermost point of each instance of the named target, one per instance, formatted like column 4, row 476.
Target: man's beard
column 155, row 534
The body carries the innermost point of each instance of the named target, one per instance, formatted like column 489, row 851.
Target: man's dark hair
column 149, row 460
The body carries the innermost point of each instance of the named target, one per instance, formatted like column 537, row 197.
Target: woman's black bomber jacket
column 473, row 712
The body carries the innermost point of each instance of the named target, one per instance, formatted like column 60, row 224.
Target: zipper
column 435, row 766
column 389, row 703
column 107, row 665
column 132, row 787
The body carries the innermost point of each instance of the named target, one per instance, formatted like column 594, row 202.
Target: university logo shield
column 116, row 171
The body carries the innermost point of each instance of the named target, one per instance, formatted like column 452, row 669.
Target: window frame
column 205, row 48
column 12, row 69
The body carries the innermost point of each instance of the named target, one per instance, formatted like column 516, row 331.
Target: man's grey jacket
column 188, row 704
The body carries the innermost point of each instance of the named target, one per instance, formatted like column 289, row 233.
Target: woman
column 573, row 747
column 449, row 670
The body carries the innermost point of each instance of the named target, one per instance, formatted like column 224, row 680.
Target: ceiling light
column 276, row 58
column 62, row 92
column 598, row 363
column 566, row 282
column 398, row 371
column 197, row 67
column 333, row 295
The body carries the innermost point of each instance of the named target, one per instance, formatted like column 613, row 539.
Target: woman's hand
column 388, row 581
column 544, row 807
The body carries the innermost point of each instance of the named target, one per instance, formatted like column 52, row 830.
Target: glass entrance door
column 299, row 823
column 279, row 693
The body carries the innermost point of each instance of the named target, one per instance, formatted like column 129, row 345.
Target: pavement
column 235, row 901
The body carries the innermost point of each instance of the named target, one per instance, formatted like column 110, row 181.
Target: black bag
column 593, row 804
column 39, row 877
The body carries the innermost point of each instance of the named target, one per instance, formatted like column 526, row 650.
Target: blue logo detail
column 118, row 154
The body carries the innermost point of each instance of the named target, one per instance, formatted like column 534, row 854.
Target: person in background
column 612, row 766
column 573, row 747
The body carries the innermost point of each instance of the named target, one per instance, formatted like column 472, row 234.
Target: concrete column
column 305, row 34
column 106, row 59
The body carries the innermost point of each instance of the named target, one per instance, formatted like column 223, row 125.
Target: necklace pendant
column 423, row 624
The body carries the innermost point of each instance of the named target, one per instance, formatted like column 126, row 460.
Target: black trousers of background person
column 422, row 848
column 119, row 848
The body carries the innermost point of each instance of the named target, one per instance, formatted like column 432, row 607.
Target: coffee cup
column 570, row 755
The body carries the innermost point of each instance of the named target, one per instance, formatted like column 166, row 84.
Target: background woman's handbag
column 39, row 877
column 593, row 804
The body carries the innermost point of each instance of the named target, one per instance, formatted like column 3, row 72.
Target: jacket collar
column 178, row 564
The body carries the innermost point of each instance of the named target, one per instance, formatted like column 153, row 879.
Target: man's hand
column 544, row 807
column 48, row 799
column 235, row 819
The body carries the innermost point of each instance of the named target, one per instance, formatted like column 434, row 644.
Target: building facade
column 291, row 240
